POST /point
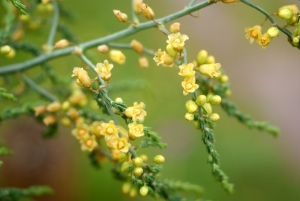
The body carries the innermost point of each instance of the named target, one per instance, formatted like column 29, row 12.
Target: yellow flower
column 137, row 46
column 137, row 6
column 82, row 77
column 264, row 40
column 103, row 69
column 175, row 27
column 147, row 11
column 177, row 40
column 161, row 57
column 117, row 56
column 143, row 61
column 189, row 85
column 187, row 70
column 122, row 17
column 88, row 142
column 210, row 69
column 96, row 127
column 253, row 33
column 136, row 112
column 80, row 131
column 78, row 98
column 109, row 130
column 135, row 130
column 121, row 144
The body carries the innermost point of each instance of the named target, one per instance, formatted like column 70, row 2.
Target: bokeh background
column 264, row 83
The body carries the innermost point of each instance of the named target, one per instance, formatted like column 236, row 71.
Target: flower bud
column 138, row 171
column 137, row 46
column 41, row 109
column 147, row 11
column 273, row 32
column 103, row 48
column 197, row 124
column 171, row 51
column 295, row 41
column 117, row 56
column 82, row 76
column 133, row 192
column 126, row 187
column 122, row 17
column 210, row 60
column 215, row 100
column 119, row 100
column 189, row 116
column 65, row 121
column 201, row 99
column 138, row 162
column 159, row 159
column 144, row 63
column 62, row 43
column 228, row 92
column 201, row 57
column 125, row 166
column 49, row 120
column 65, row 106
column 73, row 113
column 144, row 190
column 144, row 157
column 207, row 109
column 285, row 13
column 292, row 7
column 191, row 106
column 214, row 117
column 5, row 49
column 11, row 54
column 224, row 78
column 175, row 27
column 137, row 6
column 24, row 18
column 54, row 106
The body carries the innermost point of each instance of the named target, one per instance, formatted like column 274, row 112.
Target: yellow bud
column 24, row 18
column 159, row 159
column 224, row 78
column 126, row 187
column 285, row 13
column 207, row 109
column 201, row 57
column 144, row 157
column 215, row 100
column 273, row 32
column 214, row 117
column 189, row 116
column 61, row 43
column 210, row 60
column 292, row 7
column 82, row 76
column 103, row 48
column 65, row 106
column 49, row 120
column 147, row 11
column 144, row 63
column 171, row 51
column 117, row 56
column 144, row 190
column 228, row 92
column 41, row 109
column 138, row 171
column 73, row 113
column 119, row 100
column 65, row 121
column 175, row 27
column 197, row 124
column 11, row 54
column 191, row 106
column 137, row 46
column 133, row 192
column 54, row 106
column 122, row 157
column 201, row 99
column 295, row 41
column 5, row 49
column 122, row 17
column 137, row 6
column 138, row 162
column 125, row 166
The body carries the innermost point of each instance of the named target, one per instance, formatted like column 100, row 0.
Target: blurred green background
column 264, row 85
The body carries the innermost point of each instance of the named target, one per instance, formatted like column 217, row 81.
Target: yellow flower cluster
column 206, row 64
column 174, row 48
column 189, row 83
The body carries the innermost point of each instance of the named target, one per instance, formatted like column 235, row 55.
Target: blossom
column 187, row 70
column 121, row 144
column 189, row 85
column 177, row 40
column 122, row 17
column 137, row 46
column 117, row 56
column 82, row 77
column 80, row 131
column 211, row 70
column 136, row 112
column 253, row 33
column 88, row 142
column 103, row 69
column 264, row 40
column 109, row 130
column 161, row 57
column 135, row 130
column 147, row 11
column 96, row 127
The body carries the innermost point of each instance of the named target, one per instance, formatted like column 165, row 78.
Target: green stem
column 128, row 46
column 39, row 89
column 192, row 3
column 54, row 24
column 134, row 17
column 90, row 64
column 89, row 44
column 285, row 31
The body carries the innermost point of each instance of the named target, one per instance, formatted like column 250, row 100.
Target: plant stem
column 134, row 17
column 128, row 46
column 54, row 24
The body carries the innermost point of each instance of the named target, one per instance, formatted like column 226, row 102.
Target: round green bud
column 295, row 41
column 228, row 92
column 122, row 157
column 119, row 100
column 210, row 60
column 201, row 99
column 159, row 159
column 285, row 13
column 171, row 51
column 197, row 124
column 207, row 109
column 214, row 117
column 126, row 187
column 138, row 171
column 133, row 192
column 224, row 78
column 297, row 31
column 191, row 106
column 144, row 157
column 273, row 32
column 144, row 190
column 201, row 57
column 138, row 162
column 189, row 116
column 5, row 49
column 66, row 106
column 215, row 100
column 125, row 166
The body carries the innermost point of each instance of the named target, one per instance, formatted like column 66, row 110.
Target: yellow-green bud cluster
column 290, row 13
column 206, row 65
